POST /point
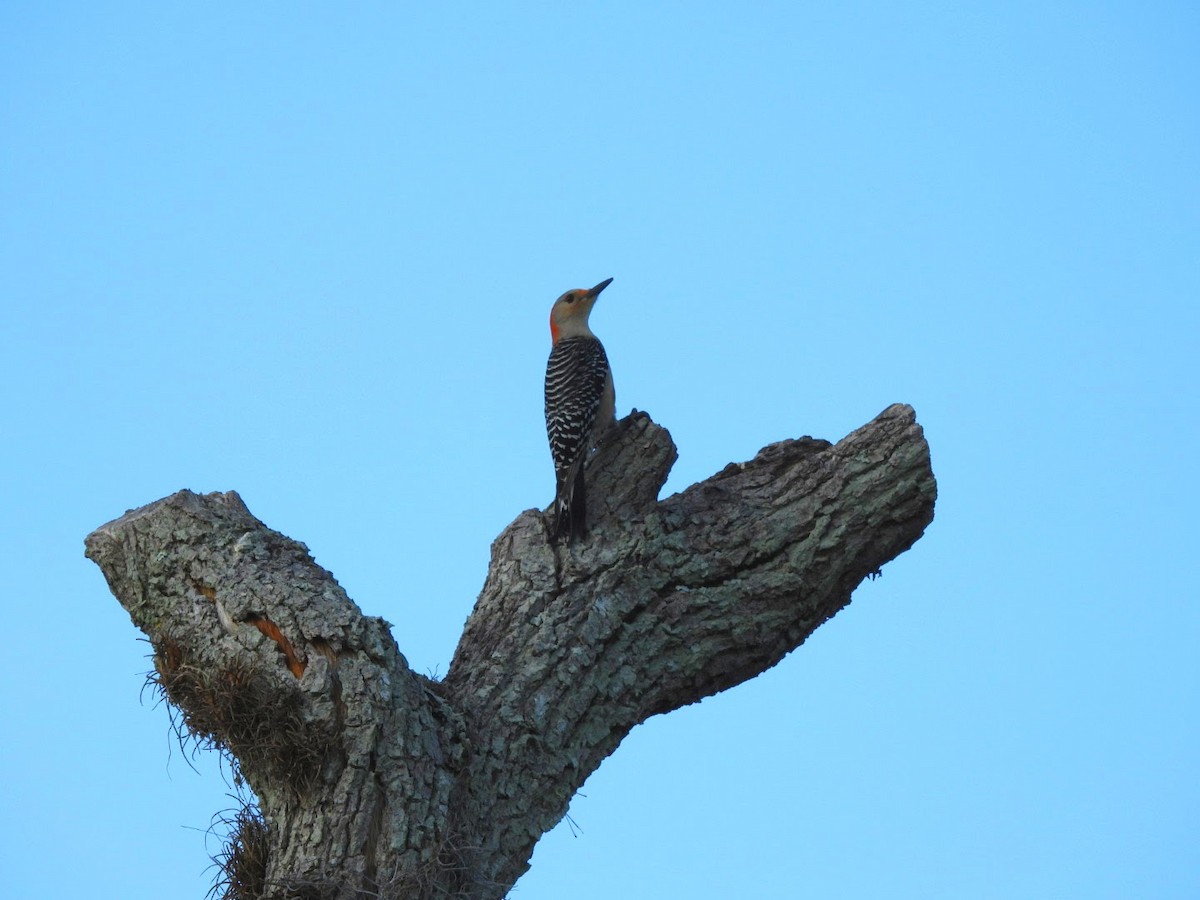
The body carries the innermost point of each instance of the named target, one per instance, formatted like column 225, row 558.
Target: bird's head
column 569, row 315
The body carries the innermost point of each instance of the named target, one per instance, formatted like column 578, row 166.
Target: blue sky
column 307, row 253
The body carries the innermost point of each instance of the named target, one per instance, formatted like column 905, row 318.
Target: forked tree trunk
column 376, row 781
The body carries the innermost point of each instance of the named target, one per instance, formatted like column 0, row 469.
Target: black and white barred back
column 577, row 379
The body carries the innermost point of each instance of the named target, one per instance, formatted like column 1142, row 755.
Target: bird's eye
column 568, row 297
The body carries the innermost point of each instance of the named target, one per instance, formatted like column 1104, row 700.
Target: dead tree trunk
column 374, row 781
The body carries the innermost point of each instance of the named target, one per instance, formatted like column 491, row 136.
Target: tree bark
column 374, row 781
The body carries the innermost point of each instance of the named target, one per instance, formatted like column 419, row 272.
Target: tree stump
column 375, row 781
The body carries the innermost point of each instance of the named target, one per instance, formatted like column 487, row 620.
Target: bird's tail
column 570, row 507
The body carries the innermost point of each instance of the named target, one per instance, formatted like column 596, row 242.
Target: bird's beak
column 595, row 292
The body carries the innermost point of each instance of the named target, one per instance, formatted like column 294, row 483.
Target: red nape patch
column 553, row 329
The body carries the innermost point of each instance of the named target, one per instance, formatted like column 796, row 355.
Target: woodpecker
column 579, row 404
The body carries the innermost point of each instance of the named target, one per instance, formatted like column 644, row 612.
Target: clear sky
column 307, row 252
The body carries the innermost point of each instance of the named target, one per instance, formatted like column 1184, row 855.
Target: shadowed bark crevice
column 375, row 781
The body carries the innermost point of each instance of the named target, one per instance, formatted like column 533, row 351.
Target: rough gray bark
column 376, row 781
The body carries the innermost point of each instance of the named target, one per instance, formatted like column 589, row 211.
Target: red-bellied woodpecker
column 579, row 404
